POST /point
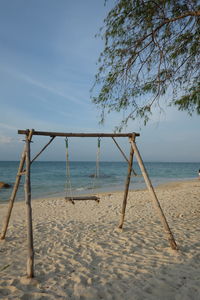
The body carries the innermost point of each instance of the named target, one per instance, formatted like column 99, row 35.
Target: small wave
column 80, row 189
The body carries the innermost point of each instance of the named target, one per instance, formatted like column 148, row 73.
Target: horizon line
column 146, row 161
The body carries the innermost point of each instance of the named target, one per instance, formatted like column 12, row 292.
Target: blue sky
column 48, row 55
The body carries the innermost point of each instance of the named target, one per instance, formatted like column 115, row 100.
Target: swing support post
column 27, row 189
column 126, row 187
column 14, row 191
column 21, row 171
column 156, row 203
column 13, row 195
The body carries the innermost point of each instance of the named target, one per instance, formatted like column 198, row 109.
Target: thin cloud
column 6, row 139
column 32, row 81
column 7, row 126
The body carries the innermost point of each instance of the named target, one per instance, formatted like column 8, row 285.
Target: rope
column 68, row 186
column 98, row 155
column 96, row 174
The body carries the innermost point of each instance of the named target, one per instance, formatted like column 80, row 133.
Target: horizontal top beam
column 69, row 134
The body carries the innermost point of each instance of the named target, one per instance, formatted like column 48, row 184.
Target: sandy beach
column 81, row 254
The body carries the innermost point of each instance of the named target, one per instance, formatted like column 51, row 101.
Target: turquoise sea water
column 48, row 179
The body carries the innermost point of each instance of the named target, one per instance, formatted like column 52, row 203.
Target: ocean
column 48, row 179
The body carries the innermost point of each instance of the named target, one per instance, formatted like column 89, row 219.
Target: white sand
column 80, row 253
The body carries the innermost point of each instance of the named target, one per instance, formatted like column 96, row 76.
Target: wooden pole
column 154, row 197
column 14, row 192
column 71, row 134
column 13, row 195
column 36, row 156
column 126, row 188
column 122, row 152
column 27, row 187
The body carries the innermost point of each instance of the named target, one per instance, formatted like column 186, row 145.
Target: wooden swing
column 26, row 171
column 68, row 190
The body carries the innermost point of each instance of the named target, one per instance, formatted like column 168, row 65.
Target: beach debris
column 92, row 175
column 4, row 267
column 180, row 216
column 4, row 185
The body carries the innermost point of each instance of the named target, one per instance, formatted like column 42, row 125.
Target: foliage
column 151, row 50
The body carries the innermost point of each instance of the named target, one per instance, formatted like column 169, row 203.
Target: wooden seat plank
column 80, row 198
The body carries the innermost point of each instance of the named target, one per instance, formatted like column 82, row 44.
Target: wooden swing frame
column 25, row 159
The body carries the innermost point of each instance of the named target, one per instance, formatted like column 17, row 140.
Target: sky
column 48, row 62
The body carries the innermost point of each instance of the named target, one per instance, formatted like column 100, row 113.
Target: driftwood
column 72, row 199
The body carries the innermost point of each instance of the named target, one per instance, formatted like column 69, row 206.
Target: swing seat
column 80, row 198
